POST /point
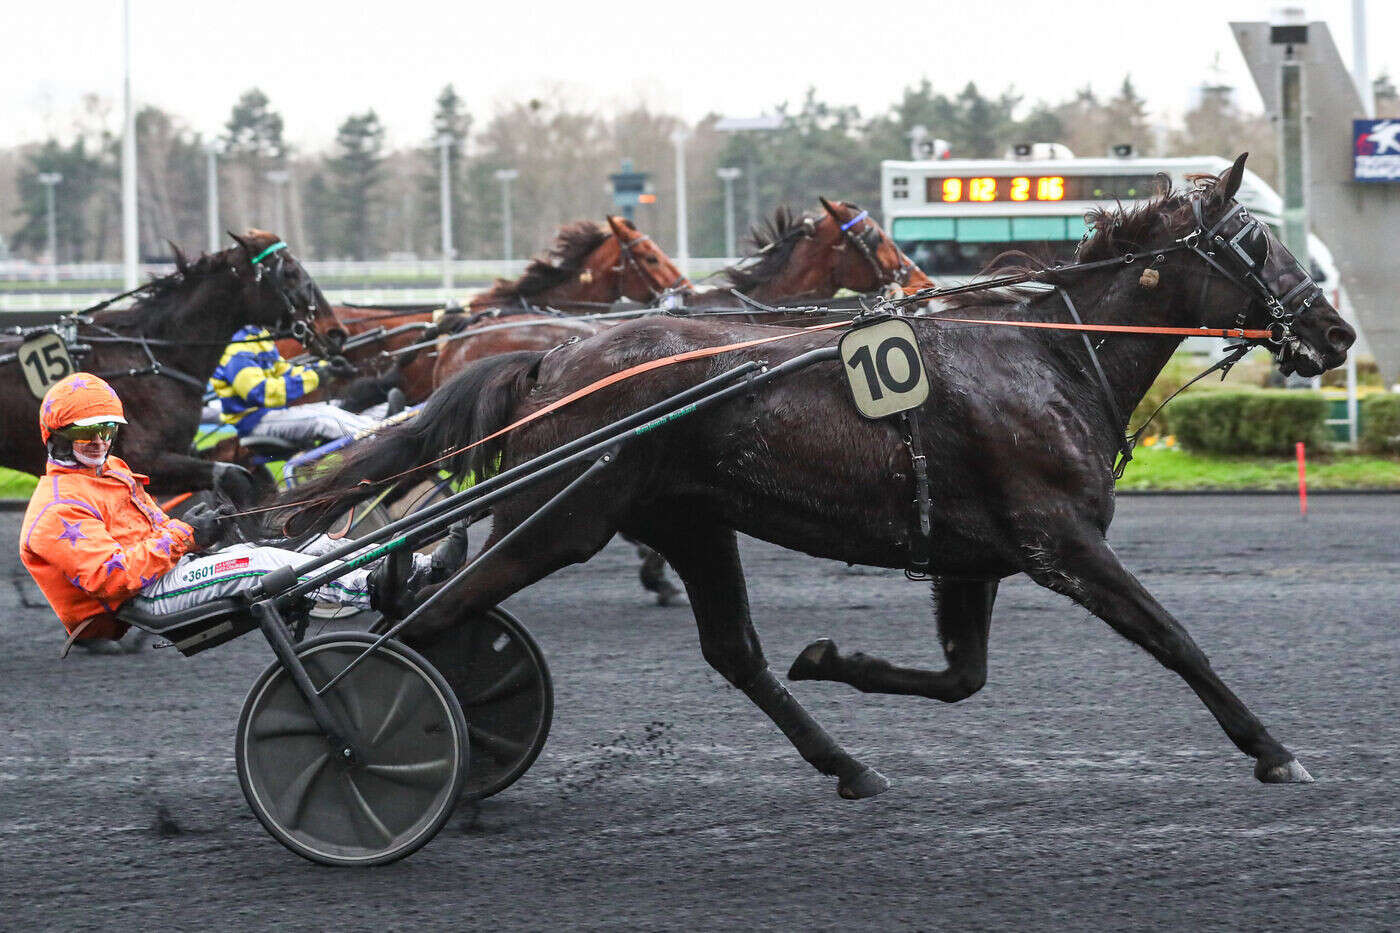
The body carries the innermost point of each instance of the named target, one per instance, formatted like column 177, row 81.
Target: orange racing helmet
column 82, row 399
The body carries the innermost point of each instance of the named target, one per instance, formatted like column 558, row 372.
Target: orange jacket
column 92, row 541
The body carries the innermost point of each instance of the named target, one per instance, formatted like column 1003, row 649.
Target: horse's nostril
column 1340, row 337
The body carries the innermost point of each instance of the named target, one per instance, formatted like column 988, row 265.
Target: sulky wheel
column 500, row 676
column 370, row 812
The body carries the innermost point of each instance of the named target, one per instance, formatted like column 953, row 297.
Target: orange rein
column 705, row 352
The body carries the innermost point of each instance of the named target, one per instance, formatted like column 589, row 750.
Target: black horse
column 1020, row 442
column 179, row 324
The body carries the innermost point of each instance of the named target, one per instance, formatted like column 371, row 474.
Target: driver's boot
column 449, row 556
column 388, row 584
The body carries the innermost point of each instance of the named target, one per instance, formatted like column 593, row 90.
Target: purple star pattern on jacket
column 163, row 542
column 115, row 562
column 72, row 531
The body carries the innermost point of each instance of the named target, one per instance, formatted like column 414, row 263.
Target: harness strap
column 1120, row 424
column 919, row 544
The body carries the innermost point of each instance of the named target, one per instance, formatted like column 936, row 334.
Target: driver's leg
column 312, row 423
column 199, row 578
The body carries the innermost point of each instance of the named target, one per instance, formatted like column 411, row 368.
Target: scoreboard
column 990, row 188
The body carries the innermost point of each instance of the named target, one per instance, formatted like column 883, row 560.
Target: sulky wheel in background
column 370, row 812
column 500, row 677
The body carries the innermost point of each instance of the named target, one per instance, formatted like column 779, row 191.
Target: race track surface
column 1085, row 787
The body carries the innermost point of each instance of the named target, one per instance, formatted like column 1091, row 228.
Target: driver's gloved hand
column 211, row 526
column 339, row 367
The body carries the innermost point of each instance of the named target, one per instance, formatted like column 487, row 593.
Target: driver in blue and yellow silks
column 256, row 387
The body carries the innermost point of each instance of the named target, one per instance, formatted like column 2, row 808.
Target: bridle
column 1238, row 255
column 1247, row 248
column 867, row 239
column 658, row 290
column 296, row 301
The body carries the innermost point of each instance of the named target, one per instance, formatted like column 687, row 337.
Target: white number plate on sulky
column 44, row 360
column 884, row 368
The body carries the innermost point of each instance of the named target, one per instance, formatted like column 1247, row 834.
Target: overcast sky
column 320, row 60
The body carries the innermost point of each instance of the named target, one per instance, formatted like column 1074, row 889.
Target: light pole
column 727, row 175
column 749, row 125
column 212, row 150
column 678, row 137
column 505, row 176
column 130, row 246
column 444, row 142
column 49, row 180
column 1360, row 70
column 279, row 178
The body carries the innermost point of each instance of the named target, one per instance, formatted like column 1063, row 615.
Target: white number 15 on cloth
column 883, row 368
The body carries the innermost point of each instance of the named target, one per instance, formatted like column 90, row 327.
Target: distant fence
column 26, row 286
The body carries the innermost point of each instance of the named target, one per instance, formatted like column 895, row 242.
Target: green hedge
column 1256, row 422
column 1380, row 422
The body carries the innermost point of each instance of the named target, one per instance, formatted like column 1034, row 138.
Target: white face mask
column 91, row 453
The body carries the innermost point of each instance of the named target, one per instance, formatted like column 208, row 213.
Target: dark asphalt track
column 1085, row 787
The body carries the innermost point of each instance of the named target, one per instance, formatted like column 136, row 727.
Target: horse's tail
column 476, row 403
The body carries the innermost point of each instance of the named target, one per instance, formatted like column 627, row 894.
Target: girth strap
column 919, row 543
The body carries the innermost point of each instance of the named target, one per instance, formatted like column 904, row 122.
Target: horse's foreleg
column 1090, row 574
column 964, row 612
column 707, row 559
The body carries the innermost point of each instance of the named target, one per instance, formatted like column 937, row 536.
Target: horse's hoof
column 1290, row 772
column 671, row 596
column 866, row 784
column 815, row 662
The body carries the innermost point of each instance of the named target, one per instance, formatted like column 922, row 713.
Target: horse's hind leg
column 964, row 612
column 1085, row 569
column 706, row 557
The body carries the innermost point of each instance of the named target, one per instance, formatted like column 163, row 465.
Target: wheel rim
column 342, row 812
column 501, row 680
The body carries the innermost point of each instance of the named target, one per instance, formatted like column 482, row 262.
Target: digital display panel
column 986, row 189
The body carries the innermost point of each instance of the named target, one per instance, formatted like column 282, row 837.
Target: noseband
column 630, row 259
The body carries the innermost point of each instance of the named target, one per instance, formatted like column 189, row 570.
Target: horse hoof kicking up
column 869, row 783
column 1290, row 772
column 816, row 662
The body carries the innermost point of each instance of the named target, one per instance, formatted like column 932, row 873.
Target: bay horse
column 801, row 258
column 181, row 323
column 1020, row 442
column 588, row 268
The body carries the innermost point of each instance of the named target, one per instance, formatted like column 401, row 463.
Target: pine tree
column 86, row 175
column 354, row 175
column 254, row 145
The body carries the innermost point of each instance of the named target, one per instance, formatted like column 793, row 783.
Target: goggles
column 102, row 431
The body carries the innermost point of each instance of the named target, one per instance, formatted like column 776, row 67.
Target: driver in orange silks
column 93, row 538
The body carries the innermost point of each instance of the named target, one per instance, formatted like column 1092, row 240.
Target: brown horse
column 805, row 259
column 179, row 325
column 1021, row 442
column 588, row 268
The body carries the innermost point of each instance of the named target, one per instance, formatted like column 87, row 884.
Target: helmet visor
column 102, row 430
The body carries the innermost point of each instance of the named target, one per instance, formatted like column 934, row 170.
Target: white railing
column 337, row 278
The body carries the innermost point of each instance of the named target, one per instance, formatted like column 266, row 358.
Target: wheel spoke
column 348, row 695
column 519, row 677
column 428, row 774
column 277, row 723
column 293, row 800
column 401, row 707
column 505, row 751
column 366, row 810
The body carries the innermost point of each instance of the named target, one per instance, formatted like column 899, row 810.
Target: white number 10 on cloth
column 884, row 368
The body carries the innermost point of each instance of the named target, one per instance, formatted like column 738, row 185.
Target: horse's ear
column 831, row 209
column 619, row 227
column 247, row 253
column 182, row 265
column 1230, row 181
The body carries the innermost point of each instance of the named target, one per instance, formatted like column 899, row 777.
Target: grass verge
column 1167, row 469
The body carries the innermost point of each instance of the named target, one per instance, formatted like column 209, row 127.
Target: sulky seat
column 197, row 628
column 265, row 445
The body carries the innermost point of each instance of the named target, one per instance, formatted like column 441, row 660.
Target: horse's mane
column 1113, row 231
column 572, row 245
column 155, row 305
column 773, row 243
